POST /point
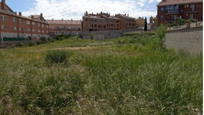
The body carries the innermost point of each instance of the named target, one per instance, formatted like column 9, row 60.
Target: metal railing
column 172, row 11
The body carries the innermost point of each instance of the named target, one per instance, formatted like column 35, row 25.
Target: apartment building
column 15, row 25
column 104, row 21
column 126, row 22
column 169, row 10
column 64, row 27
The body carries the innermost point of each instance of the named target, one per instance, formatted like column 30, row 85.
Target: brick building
column 126, row 22
column 15, row 25
column 58, row 27
column 104, row 21
column 169, row 10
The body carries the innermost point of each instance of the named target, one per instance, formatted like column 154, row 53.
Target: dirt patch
column 75, row 48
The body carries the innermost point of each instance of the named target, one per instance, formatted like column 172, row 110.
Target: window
column 14, row 28
column 3, row 27
column 28, row 22
column 47, row 32
column 192, row 7
column 162, row 17
column 33, row 30
column 182, row 11
column 21, row 29
column 38, row 31
column 20, row 21
column 42, row 31
column 3, row 17
column 46, row 26
column 162, row 9
column 33, row 23
column 38, row 24
column 191, row 16
column 13, row 19
column 42, row 25
column 28, row 29
column 186, row 5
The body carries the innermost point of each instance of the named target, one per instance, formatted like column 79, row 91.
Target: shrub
column 31, row 43
column 20, row 45
column 44, row 39
column 38, row 42
column 161, row 33
column 57, row 56
column 92, row 36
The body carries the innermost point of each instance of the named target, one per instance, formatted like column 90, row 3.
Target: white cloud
column 75, row 9
column 151, row 1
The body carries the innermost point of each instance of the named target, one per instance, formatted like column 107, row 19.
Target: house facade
column 140, row 22
column 15, row 25
column 64, row 27
column 169, row 10
column 104, row 21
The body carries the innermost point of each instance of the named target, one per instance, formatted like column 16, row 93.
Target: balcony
column 174, row 11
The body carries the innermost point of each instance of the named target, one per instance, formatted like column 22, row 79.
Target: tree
column 145, row 26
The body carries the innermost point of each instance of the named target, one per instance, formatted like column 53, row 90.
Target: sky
column 75, row 9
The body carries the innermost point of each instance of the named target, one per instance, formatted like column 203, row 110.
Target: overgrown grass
column 121, row 78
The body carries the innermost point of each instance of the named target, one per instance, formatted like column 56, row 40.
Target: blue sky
column 74, row 9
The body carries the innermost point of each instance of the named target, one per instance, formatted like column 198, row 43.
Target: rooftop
column 172, row 2
column 63, row 21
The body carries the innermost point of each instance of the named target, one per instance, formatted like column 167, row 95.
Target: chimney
column 52, row 19
column 127, row 14
column 62, row 19
column 41, row 16
column 20, row 14
column 71, row 20
column 32, row 17
column 164, row 0
column 3, row 5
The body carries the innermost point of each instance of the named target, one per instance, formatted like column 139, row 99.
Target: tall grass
column 103, row 81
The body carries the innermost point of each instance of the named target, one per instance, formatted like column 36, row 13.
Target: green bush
column 57, row 56
column 44, row 39
column 20, row 45
column 92, row 36
column 38, row 42
column 31, row 43
column 161, row 33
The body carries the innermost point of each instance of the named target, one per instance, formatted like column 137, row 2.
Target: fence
column 14, row 39
column 10, row 41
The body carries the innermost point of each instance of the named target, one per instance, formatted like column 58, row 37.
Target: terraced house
column 64, row 27
column 15, row 25
column 169, row 10
column 104, row 21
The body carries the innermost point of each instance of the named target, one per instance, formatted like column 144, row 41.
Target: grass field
column 123, row 76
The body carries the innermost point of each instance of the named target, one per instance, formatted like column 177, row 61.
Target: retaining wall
column 100, row 35
column 190, row 39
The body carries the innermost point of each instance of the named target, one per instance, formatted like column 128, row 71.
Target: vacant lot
column 124, row 76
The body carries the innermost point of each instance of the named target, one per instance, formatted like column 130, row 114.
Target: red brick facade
column 104, row 21
column 16, row 25
column 169, row 10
